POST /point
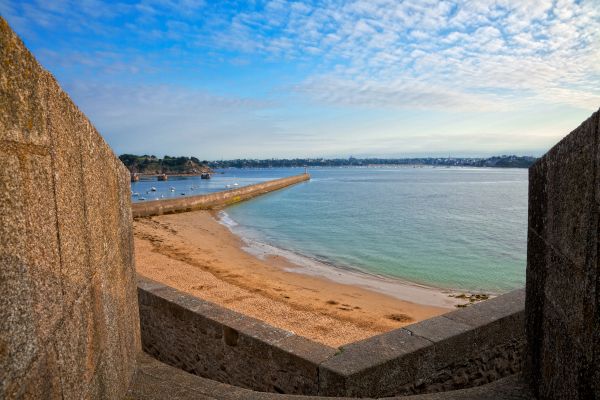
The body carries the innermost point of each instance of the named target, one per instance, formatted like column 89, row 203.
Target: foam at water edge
column 403, row 290
column 226, row 220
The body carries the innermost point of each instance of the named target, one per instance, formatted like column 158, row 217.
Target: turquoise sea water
column 454, row 228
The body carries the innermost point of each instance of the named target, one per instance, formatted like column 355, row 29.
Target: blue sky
column 227, row 79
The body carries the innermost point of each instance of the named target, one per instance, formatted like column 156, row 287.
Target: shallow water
column 454, row 228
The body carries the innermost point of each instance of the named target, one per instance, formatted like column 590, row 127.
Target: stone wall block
column 66, row 247
column 451, row 340
column 42, row 244
column 559, row 377
column 22, row 114
column 592, row 311
column 42, row 380
column 377, row 366
column 563, row 293
column 17, row 348
column 64, row 128
column 570, row 177
column 537, row 254
column 12, row 208
column 562, row 310
column 78, row 348
column 101, row 210
column 32, row 299
column 101, row 182
column 130, row 298
column 299, row 354
column 213, row 342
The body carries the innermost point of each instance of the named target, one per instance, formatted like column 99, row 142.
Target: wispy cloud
column 307, row 76
column 146, row 117
column 459, row 52
column 450, row 53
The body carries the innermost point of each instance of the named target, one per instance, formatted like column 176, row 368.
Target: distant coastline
column 504, row 161
column 153, row 165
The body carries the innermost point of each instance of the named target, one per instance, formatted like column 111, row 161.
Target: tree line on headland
column 191, row 165
column 153, row 165
column 510, row 161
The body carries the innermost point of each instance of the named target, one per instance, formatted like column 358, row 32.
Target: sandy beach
column 196, row 254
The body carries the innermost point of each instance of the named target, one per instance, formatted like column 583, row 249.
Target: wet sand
column 196, row 254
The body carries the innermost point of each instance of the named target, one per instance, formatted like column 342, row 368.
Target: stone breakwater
column 214, row 200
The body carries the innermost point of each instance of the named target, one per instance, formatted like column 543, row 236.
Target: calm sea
column 454, row 228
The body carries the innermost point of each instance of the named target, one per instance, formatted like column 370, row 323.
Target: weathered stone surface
column 68, row 311
column 509, row 388
column 157, row 381
column 211, row 341
column 563, row 275
column 377, row 366
column 434, row 355
column 42, row 381
column 464, row 348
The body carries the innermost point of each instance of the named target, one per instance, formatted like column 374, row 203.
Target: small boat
column 236, row 184
column 162, row 177
column 228, row 186
column 172, row 189
column 153, row 189
column 142, row 198
column 205, row 175
column 136, row 194
column 183, row 194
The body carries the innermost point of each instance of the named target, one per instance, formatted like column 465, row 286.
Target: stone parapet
column 464, row 348
column 157, row 381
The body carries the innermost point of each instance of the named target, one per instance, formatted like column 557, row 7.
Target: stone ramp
column 157, row 381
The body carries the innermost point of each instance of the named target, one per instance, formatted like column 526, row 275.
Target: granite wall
column 563, row 275
column 464, row 348
column 213, row 200
column 69, row 323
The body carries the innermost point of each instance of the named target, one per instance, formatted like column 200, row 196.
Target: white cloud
column 530, row 49
column 393, row 56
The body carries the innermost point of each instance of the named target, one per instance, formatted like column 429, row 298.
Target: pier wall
column 213, row 200
column 69, row 324
column 461, row 349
